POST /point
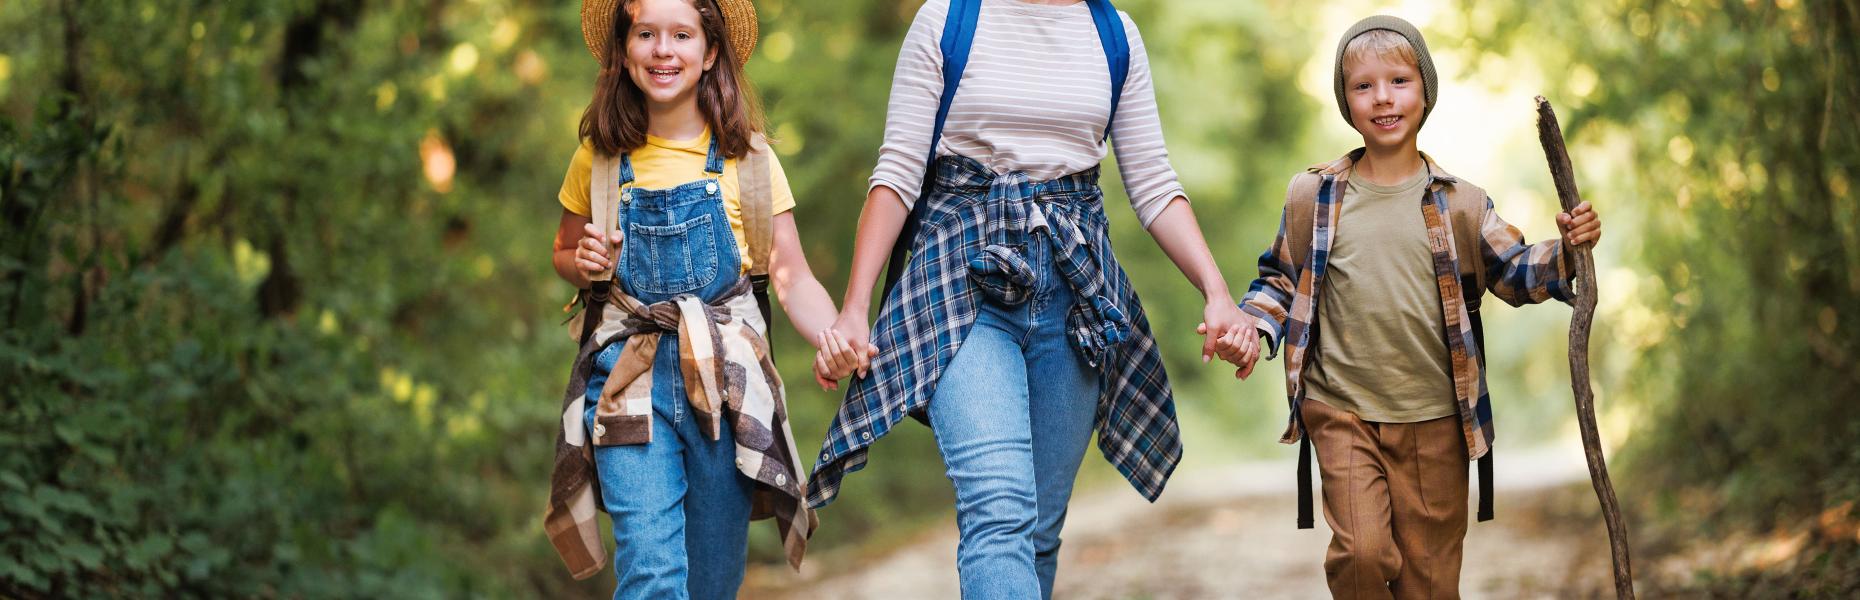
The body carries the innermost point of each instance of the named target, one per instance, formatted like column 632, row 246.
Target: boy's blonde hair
column 1380, row 43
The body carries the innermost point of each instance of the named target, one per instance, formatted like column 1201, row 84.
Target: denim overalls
column 679, row 505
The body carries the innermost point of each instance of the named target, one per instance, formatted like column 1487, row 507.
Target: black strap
column 596, row 297
column 1485, row 462
column 1305, row 517
column 759, row 285
column 1485, row 486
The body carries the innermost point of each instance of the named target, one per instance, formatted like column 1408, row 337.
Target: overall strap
column 713, row 160
column 624, row 177
column 752, row 179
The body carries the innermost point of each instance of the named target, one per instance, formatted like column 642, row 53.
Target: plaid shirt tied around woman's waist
column 975, row 229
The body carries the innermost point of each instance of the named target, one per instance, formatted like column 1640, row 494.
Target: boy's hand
column 1239, row 346
column 591, row 254
column 1581, row 225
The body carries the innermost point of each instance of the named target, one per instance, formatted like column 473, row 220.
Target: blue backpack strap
column 958, row 36
column 1116, row 51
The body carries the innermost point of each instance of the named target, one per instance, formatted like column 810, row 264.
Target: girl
column 1014, row 327
column 674, row 390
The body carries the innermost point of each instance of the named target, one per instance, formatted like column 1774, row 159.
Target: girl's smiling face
column 667, row 52
column 1386, row 99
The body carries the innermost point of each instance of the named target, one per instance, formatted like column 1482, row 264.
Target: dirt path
column 1228, row 533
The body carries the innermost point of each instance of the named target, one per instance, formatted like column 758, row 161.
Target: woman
column 1013, row 327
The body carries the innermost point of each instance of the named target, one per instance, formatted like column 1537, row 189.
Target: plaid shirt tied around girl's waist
column 976, row 226
column 729, row 377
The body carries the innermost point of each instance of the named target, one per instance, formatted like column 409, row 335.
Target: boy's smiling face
column 1386, row 99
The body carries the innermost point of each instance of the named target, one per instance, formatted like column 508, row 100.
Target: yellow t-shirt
column 663, row 163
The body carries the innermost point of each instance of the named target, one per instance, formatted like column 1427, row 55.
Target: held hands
column 843, row 350
column 590, row 254
column 1581, row 225
column 1229, row 334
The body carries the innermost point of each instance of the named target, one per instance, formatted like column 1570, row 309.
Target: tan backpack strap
column 752, row 179
column 1300, row 213
column 603, row 200
column 1466, row 209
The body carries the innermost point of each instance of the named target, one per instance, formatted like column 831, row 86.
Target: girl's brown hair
column 616, row 119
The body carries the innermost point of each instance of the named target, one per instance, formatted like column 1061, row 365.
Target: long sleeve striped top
column 1034, row 97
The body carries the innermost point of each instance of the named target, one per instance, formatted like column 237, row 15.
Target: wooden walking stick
column 1565, row 178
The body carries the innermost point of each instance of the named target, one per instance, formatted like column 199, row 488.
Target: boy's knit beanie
column 1429, row 80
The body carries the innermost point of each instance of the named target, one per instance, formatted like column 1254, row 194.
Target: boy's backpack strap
column 1466, row 204
column 1306, row 520
column 756, row 189
column 1300, row 214
column 1466, row 209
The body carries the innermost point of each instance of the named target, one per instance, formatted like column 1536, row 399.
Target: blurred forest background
column 277, row 316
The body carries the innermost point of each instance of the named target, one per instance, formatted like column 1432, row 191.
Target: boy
column 1374, row 281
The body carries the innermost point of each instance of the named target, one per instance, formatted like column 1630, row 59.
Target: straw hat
column 739, row 23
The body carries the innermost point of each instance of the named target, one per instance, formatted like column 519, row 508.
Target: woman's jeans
column 1012, row 415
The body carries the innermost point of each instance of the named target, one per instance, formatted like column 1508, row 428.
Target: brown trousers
column 1395, row 500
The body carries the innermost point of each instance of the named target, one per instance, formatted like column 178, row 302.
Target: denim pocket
column 671, row 259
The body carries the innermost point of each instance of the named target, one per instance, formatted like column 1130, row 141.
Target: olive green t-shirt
column 1382, row 350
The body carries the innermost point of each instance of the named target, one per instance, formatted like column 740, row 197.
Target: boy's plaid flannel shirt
column 1285, row 297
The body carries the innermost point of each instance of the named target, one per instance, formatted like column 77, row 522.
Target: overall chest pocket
column 671, row 259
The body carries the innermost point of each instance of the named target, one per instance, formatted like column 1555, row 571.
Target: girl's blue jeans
column 679, row 506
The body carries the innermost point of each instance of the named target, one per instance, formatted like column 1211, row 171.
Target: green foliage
column 1741, row 121
column 1738, row 119
column 278, row 319
column 249, row 349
